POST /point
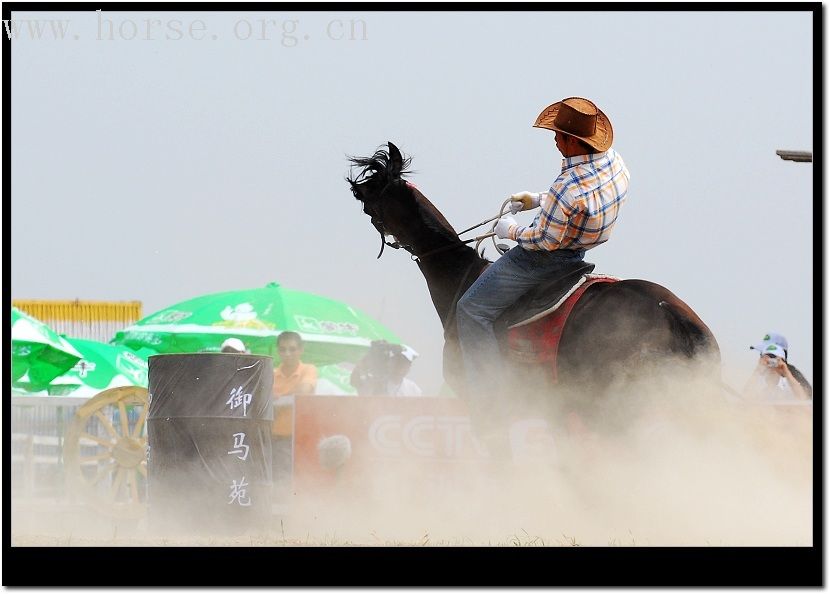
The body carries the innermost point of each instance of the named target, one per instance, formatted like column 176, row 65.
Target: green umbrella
column 332, row 331
column 102, row 366
column 39, row 354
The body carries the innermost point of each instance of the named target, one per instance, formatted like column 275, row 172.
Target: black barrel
column 209, row 434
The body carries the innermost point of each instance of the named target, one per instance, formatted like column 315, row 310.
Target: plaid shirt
column 581, row 207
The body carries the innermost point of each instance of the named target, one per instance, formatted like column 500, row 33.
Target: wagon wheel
column 105, row 452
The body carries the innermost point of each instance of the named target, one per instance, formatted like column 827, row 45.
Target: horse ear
column 395, row 159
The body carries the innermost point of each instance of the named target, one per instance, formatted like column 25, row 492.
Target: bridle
column 377, row 223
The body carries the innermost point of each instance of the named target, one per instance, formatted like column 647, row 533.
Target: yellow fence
column 96, row 320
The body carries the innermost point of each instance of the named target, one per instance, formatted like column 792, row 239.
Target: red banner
column 337, row 438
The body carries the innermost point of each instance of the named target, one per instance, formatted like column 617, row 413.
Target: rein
column 452, row 245
column 396, row 245
column 418, row 257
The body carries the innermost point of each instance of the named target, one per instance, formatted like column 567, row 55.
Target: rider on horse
column 577, row 213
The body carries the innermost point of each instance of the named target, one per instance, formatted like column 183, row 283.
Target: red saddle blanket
column 537, row 340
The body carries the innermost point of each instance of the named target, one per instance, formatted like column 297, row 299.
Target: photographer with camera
column 382, row 372
column 774, row 379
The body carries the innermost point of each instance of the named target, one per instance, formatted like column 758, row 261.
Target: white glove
column 523, row 201
column 503, row 226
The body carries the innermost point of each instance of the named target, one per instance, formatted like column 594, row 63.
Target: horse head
column 381, row 189
column 395, row 207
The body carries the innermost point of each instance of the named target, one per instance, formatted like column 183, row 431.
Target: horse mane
column 431, row 217
column 380, row 164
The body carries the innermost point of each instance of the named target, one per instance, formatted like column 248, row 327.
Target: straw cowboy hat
column 578, row 117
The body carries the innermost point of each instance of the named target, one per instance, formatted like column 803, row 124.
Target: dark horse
column 614, row 330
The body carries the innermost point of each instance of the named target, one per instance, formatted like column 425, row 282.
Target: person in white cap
column 774, row 338
column 382, row 372
column 774, row 378
column 399, row 384
column 234, row 345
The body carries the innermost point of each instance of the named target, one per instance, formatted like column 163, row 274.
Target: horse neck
column 449, row 274
column 448, row 267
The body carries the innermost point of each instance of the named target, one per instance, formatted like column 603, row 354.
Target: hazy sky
column 212, row 156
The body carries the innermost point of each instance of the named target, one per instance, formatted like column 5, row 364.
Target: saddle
column 539, row 301
column 530, row 330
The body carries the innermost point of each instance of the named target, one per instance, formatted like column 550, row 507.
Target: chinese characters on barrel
column 238, row 398
column 239, row 494
column 240, row 447
column 238, row 491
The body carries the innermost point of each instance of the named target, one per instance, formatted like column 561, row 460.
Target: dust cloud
column 690, row 466
column 691, row 469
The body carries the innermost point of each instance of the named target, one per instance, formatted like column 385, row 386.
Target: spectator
column 399, row 384
column 774, row 378
column 234, row 345
column 382, row 372
column 291, row 378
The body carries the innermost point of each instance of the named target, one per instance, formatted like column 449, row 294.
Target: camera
column 381, row 351
column 772, row 360
column 372, row 374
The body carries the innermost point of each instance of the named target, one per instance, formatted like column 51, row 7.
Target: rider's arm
column 550, row 226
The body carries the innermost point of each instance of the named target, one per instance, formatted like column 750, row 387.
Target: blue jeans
column 499, row 287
